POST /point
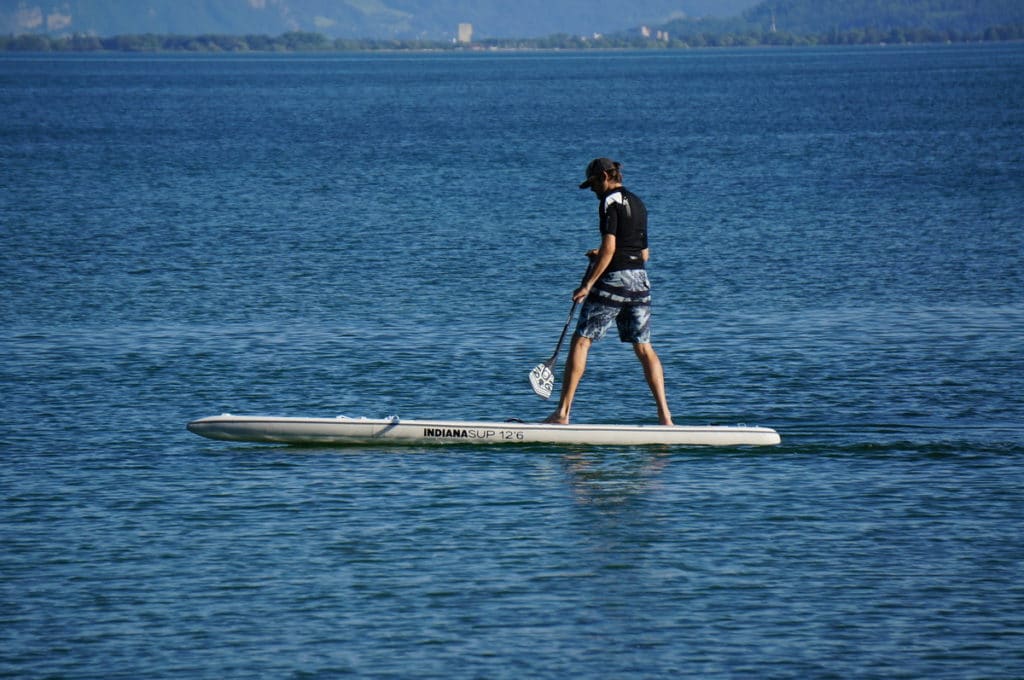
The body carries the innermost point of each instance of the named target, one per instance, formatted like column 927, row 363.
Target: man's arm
column 602, row 257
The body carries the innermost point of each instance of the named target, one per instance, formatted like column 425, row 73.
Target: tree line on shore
column 300, row 41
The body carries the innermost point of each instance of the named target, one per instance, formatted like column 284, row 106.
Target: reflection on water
column 606, row 479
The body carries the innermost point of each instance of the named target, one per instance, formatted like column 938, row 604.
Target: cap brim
column 586, row 184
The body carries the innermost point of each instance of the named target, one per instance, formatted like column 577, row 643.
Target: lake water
column 837, row 252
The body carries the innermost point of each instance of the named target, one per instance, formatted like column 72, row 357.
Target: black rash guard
column 624, row 216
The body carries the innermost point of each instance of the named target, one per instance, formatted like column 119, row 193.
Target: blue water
column 837, row 252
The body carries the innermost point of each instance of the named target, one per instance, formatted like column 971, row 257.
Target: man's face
column 599, row 183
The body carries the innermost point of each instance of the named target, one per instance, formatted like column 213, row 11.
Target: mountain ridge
column 357, row 19
column 824, row 17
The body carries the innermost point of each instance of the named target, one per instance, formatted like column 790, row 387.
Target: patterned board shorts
column 623, row 297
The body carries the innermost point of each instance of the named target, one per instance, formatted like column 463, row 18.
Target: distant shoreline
column 301, row 42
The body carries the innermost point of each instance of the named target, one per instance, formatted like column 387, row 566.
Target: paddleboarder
column 616, row 290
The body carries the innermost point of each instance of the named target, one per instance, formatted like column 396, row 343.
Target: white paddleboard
column 343, row 430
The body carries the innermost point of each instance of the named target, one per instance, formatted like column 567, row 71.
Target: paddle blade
column 542, row 380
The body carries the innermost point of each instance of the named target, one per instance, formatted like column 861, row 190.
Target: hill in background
column 374, row 19
column 873, row 20
column 317, row 25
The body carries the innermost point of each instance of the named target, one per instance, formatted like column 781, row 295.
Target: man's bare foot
column 556, row 419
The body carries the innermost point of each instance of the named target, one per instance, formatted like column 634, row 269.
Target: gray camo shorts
column 623, row 297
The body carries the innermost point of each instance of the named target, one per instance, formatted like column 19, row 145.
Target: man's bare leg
column 575, row 365
column 655, row 379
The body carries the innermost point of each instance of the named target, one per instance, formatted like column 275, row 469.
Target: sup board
column 343, row 430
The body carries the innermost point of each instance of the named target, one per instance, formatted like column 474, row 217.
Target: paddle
column 542, row 377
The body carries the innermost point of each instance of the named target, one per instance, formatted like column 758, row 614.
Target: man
column 616, row 288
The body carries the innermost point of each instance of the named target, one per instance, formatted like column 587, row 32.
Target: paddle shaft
column 561, row 338
column 572, row 311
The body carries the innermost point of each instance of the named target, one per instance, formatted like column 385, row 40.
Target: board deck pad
column 343, row 430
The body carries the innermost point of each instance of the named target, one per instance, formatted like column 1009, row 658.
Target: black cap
column 599, row 166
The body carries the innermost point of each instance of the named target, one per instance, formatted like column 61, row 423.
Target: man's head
column 600, row 169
